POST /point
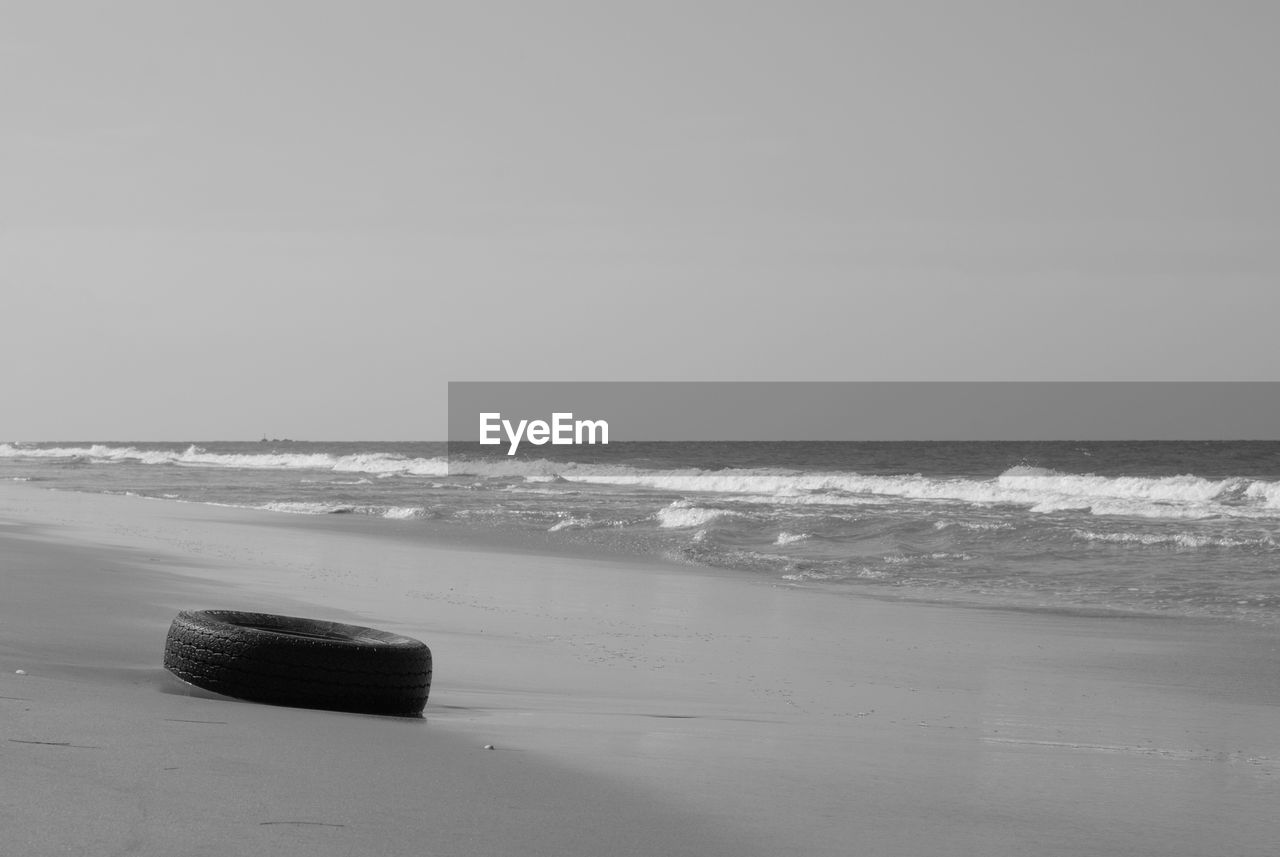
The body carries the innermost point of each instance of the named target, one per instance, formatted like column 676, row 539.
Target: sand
column 634, row 708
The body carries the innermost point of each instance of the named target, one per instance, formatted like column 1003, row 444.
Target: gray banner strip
column 988, row 410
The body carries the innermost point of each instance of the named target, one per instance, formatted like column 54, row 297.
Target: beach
column 632, row 707
column 828, row 429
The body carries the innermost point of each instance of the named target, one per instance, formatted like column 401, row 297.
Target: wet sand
column 634, row 708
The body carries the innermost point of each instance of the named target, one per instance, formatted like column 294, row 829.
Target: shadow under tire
column 305, row 663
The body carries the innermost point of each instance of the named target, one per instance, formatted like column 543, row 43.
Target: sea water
column 1173, row 528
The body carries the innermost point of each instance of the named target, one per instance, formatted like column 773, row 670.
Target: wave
column 1266, row 493
column 682, row 513
column 302, row 508
column 906, row 559
column 573, row 522
column 1038, row 490
column 974, row 526
column 1180, row 540
column 373, row 463
column 404, row 513
column 398, row 513
column 821, row 575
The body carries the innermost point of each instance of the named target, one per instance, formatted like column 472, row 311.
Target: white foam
column 403, row 513
column 300, row 508
column 808, row 500
column 904, row 559
column 785, row 538
column 391, row 465
column 1037, row 489
column 975, row 526
column 379, row 464
column 682, row 514
column 1266, row 493
column 802, row 576
column 1181, row 540
column 528, row 469
column 573, row 523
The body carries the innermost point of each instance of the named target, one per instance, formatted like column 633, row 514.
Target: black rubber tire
column 305, row 663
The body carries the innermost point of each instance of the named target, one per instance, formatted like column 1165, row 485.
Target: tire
column 305, row 663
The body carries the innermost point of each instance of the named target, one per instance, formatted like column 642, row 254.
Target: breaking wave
column 374, row 463
column 682, row 513
column 1178, row 540
column 399, row 513
column 1039, row 490
column 1035, row 489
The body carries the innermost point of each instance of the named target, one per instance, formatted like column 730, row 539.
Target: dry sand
column 634, row 708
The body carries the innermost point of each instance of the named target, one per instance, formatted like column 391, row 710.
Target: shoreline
column 1129, row 526
column 470, row 538
column 753, row 713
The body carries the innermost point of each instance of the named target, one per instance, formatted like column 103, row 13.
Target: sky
column 303, row 219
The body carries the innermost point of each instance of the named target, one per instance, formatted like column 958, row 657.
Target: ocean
column 1157, row 528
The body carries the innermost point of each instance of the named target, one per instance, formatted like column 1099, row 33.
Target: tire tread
column 221, row 652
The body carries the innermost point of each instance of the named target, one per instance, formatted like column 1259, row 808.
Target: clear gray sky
column 219, row 220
